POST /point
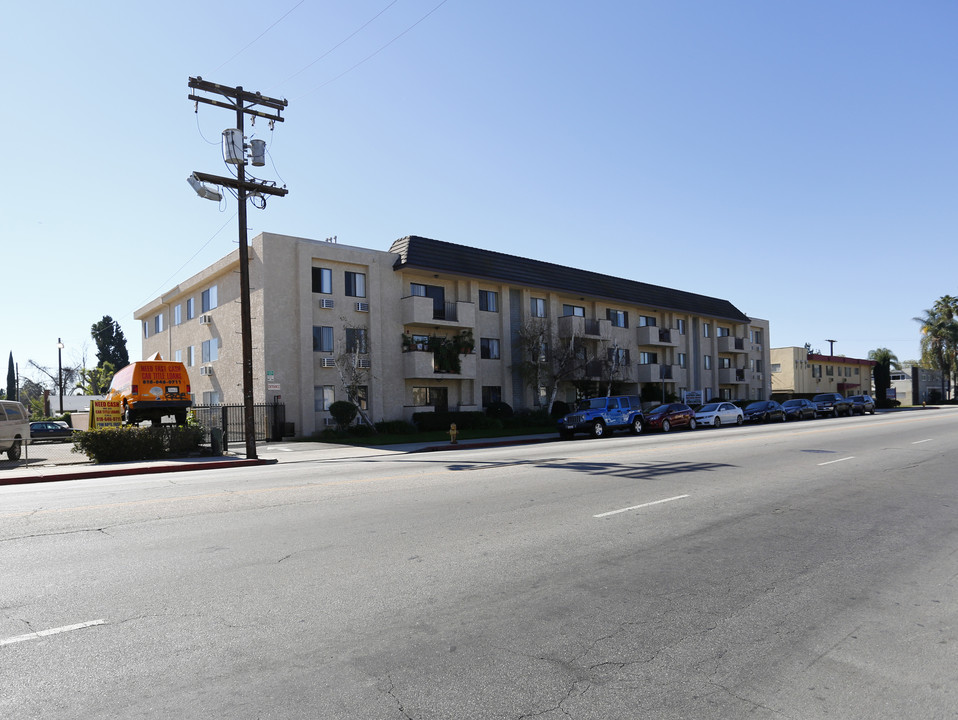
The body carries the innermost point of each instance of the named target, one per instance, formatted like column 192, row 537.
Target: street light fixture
column 60, row 370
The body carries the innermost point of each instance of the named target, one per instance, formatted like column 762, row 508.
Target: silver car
column 716, row 414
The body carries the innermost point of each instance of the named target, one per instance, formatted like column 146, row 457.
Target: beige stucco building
column 316, row 305
column 796, row 372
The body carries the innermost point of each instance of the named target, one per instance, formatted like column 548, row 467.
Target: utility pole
column 831, row 347
column 243, row 103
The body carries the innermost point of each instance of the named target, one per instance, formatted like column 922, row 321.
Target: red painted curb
column 109, row 471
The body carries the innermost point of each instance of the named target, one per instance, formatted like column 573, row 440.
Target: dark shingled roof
column 434, row 255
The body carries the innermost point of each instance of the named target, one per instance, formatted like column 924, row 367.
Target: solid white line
column 51, row 631
column 919, row 442
column 830, row 462
column 636, row 507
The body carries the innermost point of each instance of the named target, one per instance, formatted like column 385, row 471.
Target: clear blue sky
column 797, row 159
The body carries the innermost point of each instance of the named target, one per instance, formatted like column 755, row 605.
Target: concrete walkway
column 268, row 454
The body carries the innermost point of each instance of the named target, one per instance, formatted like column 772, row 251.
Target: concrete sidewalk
column 268, row 454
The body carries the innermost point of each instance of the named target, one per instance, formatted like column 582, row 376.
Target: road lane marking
column 832, row 462
column 637, row 507
column 919, row 442
column 51, row 631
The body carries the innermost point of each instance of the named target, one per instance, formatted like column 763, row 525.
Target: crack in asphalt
column 102, row 530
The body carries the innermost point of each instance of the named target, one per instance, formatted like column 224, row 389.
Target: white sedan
column 716, row 414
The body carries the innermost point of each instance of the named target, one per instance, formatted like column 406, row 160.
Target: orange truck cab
column 152, row 389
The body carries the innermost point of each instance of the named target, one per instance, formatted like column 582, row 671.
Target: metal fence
column 40, row 453
column 269, row 419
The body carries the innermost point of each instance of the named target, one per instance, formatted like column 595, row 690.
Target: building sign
column 105, row 414
column 692, row 397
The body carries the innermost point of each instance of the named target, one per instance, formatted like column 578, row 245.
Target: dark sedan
column 799, row 409
column 44, row 431
column 671, row 415
column 862, row 404
column 832, row 404
column 764, row 411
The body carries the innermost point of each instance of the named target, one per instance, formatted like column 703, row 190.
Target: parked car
column 799, row 409
column 764, row 411
column 597, row 416
column 49, row 431
column 14, row 428
column 862, row 404
column 719, row 413
column 832, row 404
column 671, row 415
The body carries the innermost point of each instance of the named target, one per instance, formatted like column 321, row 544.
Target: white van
column 14, row 428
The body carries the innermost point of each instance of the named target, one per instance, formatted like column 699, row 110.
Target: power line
column 240, row 52
column 371, row 56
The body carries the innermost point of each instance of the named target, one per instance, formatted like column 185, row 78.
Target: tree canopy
column 110, row 343
column 939, row 337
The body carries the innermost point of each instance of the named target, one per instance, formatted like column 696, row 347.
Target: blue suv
column 597, row 416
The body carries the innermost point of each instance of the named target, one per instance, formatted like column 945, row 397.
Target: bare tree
column 352, row 363
column 548, row 360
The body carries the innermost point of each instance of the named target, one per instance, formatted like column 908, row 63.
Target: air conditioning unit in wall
column 206, row 319
column 329, row 362
column 327, row 303
column 328, row 422
column 362, row 307
column 206, row 370
column 363, row 363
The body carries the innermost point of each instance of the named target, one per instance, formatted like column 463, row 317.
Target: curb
column 58, row 475
column 483, row 444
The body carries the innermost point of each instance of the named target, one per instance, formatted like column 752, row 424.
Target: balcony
column 421, row 365
column 656, row 336
column 569, row 325
column 729, row 344
column 419, row 310
column 731, row 376
column 655, row 373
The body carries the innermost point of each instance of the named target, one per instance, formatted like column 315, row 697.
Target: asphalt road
column 805, row 570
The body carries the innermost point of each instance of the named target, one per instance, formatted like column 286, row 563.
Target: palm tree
column 885, row 362
column 939, row 336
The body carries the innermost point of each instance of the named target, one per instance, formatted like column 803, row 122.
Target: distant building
column 396, row 315
column 796, row 372
column 914, row 385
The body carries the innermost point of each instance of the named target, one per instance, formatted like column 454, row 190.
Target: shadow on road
column 640, row 471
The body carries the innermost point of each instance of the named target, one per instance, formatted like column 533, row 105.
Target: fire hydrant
column 452, row 434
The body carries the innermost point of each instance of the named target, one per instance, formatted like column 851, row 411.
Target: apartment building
column 796, row 372
column 435, row 325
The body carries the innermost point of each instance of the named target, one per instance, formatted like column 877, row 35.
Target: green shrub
column 530, row 418
column 138, row 443
column 395, row 427
column 432, row 421
column 560, row 409
column 343, row 413
column 499, row 410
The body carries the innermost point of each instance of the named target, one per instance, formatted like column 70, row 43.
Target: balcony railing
column 419, row 310
column 731, row 344
column 651, row 335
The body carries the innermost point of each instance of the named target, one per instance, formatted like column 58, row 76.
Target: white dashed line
column 919, row 442
column 51, row 631
column 831, row 462
column 636, row 507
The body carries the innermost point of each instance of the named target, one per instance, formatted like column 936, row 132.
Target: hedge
column 138, row 443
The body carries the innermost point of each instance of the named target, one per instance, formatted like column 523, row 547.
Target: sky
column 797, row 159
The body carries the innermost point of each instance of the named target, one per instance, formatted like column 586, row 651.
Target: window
column 619, row 318
column 158, row 323
column 491, row 394
column 722, row 332
column 208, row 299
column 648, row 358
column 322, row 280
column 356, row 340
column 417, row 289
column 816, row 371
column 725, row 363
column 647, row 321
column 489, row 348
column 437, row 397
column 178, row 356
column 756, row 336
column 758, row 366
column 571, row 310
column 177, row 314
column 420, row 342
column 708, row 362
column 211, row 350
column 680, row 326
column 190, row 309
column 211, row 398
column 538, row 307
column 683, row 359
column 190, row 356
column 355, row 284
column 489, row 301
column 362, row 397
column 705, row 330
column 146, row 328
column 322, row 338
column 776, row 367
column 323, row 397
column 619, row 356
column 829, row 369
column 857, row 371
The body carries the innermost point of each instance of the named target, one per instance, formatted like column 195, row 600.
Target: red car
column 671, row 415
